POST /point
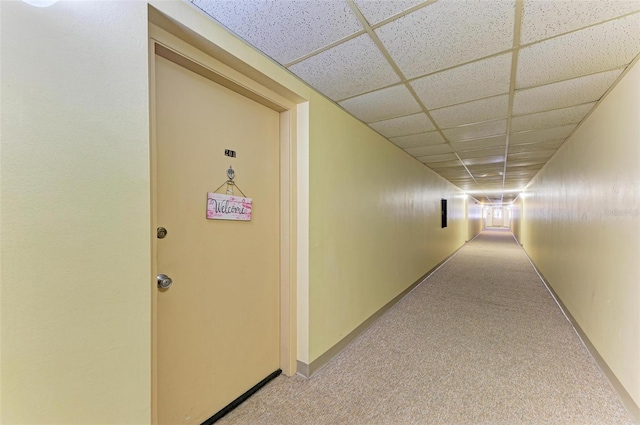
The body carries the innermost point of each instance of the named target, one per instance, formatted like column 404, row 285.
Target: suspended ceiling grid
column 482, row 92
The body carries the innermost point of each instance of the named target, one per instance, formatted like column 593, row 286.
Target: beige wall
column 581, row 227
column 516, row 218
column 474, row 218
column 302, row 216
column 75, row 214
column 374, row 223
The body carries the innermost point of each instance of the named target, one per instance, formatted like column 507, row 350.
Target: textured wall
column 581, row 227
column 75, row 302
column 374, row 223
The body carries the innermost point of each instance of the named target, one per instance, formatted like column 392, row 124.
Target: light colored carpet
column 481, row 341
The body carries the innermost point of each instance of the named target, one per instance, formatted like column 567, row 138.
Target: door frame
column 183, row 52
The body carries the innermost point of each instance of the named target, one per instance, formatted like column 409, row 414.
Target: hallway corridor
column 480, row 341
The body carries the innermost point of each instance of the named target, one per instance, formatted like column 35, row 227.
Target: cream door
column 488, row 213
column 218, row 324
column 497, row 219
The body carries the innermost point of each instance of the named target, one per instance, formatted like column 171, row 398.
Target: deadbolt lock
column 164, row 281
column 162, row 232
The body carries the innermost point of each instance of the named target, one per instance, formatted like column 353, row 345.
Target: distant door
column 487, row 216
column 218, row 324
column 497, row 217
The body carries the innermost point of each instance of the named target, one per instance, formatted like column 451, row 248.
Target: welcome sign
column 228, row 207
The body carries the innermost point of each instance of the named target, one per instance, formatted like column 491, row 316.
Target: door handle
column 164, row 281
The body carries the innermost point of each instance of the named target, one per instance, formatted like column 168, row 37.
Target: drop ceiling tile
column 564, row 93
column 545, row 18
column 529, row 171
column 483, row 177
column 382, row 104
column 415, row 140
column 479, row 153
column 520, row 181
column 457, row 179
column 541, row 135
column 430, row 150
column 437, row 158
column 472, row 112
column 284, row 30
column 485, row 169
column 461, row 177
column 532, row 147
column 349, row 69
column 436, row 165
column 448, row 33
column 378, row 10
column 458, row 172
column 460, row 181
column 532, row 155
column 491, row 183
column 463, row 183
column 489, row 142
column 591, row 50
column 530, row 168
column 485, row 160
column 519, row 175
column 526, row 163
column 476, row 131
column 554, row 118
column 488, row 77
column 523, row 170
column 491, row 179
column 401, row 126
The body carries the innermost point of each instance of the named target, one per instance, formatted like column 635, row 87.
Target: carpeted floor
column 481, row 341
